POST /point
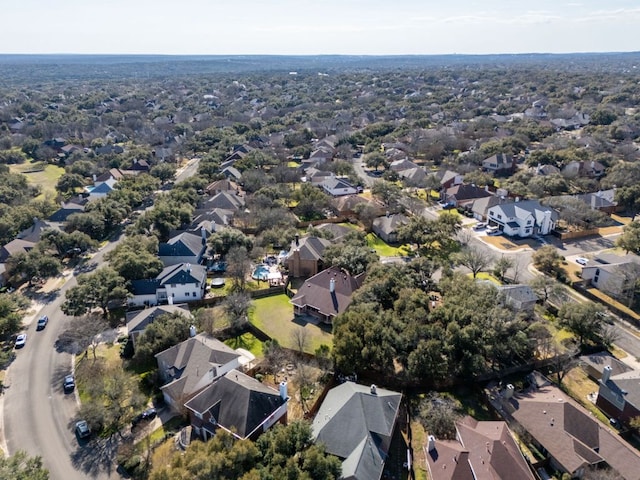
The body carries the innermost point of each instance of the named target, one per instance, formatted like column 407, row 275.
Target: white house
column 175, row 284
column 523, row 219
column 338, row 186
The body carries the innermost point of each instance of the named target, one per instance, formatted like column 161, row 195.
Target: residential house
column 326, row 294
column 523, row 219
column 499, row 163
column 224, row 200
column 480, row 207
column 190, row 366
column 238, row 404
column 184, row 247
column 180, row 283
column 520, row 298
column 590, row 169
column 450, row 179
column 464, row 194
column 619, row 395
column 338, row 232
column 74, row 205
column 576, row 121
column 357, row 424
column 34, row 232
column 571, row 437
column 481, row 451
column 305, row 256
column 345, row 206
column 317, row 177
column 338, row 186
column 15, row 247
column 386, row 227
column 232, row 173
column 138, row 320
column 603, row 200
column 402, row 164
column 109, row 149
column 414, row 177
column 140, row 165
column 546, row 170
column 218, row 186
column 612, row 274
column 594, row 364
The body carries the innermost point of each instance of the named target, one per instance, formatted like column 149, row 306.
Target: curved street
column 38, row 416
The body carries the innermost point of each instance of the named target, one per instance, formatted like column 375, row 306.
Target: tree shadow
column 96, row 455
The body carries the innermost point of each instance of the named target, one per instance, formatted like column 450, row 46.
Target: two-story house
column 175, row 284
column 523, row 219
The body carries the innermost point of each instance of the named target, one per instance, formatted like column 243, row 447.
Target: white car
column 21, row 340
column 479, row 226
column 582, row 260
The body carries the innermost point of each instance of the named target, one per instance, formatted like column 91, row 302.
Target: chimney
column 606, row 374
column 297, row 240
column 374, row 389
column 431, row 443
column 192, row 331
column 188, row 268
column 593, row 201
column 94, row 178
column 332, row 285
column 283, row 390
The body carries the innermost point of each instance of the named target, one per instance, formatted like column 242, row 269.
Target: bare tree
column 474, row 259
column 300, row 338
column 236, row 306
column 502, row 265
column 83, row 333
column 238, row 264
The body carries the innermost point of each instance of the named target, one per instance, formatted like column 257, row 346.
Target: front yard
column 383, row 249
column 274, row 316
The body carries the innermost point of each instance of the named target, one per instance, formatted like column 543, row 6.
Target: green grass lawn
column 46, row 179
column 247, row 341
column 274, row 316
column 486, row 276
column 384, row 249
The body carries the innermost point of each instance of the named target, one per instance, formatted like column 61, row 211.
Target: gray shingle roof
column 310, row 248
column 356, row 426
column 138, row 320
column 182, row 273
column 526, row 208
column 183, row 244
column 238, row 402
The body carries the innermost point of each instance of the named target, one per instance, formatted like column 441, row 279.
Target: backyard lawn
column 247, row 341
column 384, row 249
column 46, row 179
column 274, row 316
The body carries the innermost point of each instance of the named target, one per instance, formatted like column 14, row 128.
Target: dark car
column 69, row 384
column 82, row 429
column 42, row 322
column 148, row 414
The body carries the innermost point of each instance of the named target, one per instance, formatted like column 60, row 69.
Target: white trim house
column 175, row 284
column 523, row 219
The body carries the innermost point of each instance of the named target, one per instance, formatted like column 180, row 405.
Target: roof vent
column 374, row 389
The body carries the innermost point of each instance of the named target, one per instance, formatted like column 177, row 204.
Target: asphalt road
column 358, row 167
column 38, row 417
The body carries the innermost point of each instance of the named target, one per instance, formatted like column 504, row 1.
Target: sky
column 304, row 27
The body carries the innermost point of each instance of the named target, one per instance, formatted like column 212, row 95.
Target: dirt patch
column 503, row 243
column 604, row 231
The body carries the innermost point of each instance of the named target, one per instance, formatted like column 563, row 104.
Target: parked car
column 480, row 226
column 148, row 414
column 69, row 384
column 42, row 322
column 582, row 260
column 21, row 340
column 82, row 429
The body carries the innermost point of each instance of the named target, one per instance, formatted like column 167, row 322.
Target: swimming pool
column 261, row 272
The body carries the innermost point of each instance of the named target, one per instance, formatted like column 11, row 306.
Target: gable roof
column 183, row 273
column 333, row 183
column 183, row 244
column 138, row 320
column 221, row 186
column 309, row 248
column 33, row 233
column 390, row 223
column 519, row 293
column 483, row 451
column 338, row 231
column 599, row 360
column 315, row 292
column 525, row 208
column 15, row 246
column 569, row 433
column 356, row 425
column 238, row 402
column 627, row 385
column 187, row 362
column 224, row 200
column 482, row 205
column 402, row 164
column 466, row 191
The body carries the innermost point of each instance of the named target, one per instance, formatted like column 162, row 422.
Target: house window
column 499, row 216
column 173, row 285
column 528, row 222
column 194, row 294
column 186, row 294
